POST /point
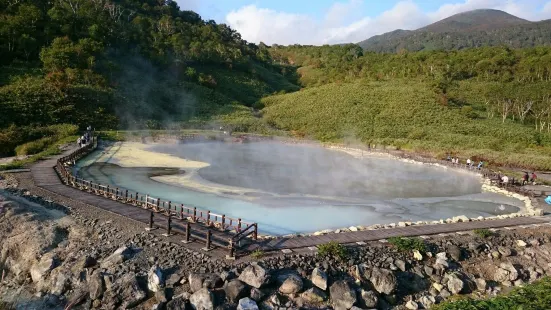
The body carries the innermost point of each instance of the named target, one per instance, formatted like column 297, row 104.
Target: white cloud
column 259, row 24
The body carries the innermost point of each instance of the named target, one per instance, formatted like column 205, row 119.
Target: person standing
column 534, row 177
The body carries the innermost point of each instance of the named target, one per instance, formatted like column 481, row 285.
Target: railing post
column 188, row 233
column 208, row 218
column 108, row 190
column 169, row 208
column 255, row 234
column 181, row 212
column 232, row 250
column 238, row 225
column 117, row 194
column 168, row 226
column 126, row 195
column 158, row 203
column 150, row 222
column 194, row 214
column 223, row 222
column 208, row 243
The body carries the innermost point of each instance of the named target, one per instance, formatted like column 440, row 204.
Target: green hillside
column 476, row 28
column 405, row 114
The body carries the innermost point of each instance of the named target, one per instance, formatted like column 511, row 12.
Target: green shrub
column 258, row 254
column 483, row 233
column 535, row 296
column 408, row 244
column 332, row 249
column 34, row 147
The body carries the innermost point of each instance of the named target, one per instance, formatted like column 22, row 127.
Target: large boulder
column 369, row 298
column 314, row 295
column 455, row 284
column 235, row 290
column 247, row 304
column 383, row 280
column 60, row 281
column 254, row 275
column 95, row 285
column 118, row 257
column 155, row 279
column 125, row 292
column 506, row 272
column 198, row 281
column 319, row 278
column 45, row 265
column 291, row 285
column 203, row 299
column 343, row 296
column 455, row 252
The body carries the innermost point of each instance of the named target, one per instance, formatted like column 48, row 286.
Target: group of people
column 470, row 163
column 527, row 178
column 85, row 139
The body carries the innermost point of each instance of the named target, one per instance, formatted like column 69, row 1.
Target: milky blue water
column 300, row 189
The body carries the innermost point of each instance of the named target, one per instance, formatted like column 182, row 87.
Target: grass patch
column 408, row 244
column 333, row 249
column 49, row 151
column 258, row 254
column 535, row 296
column 483, row 233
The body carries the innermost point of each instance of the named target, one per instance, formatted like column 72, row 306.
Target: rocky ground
column 64, row 254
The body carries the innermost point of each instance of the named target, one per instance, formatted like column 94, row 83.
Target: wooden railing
column 191, row 215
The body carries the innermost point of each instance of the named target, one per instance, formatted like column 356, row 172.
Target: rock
column 177, row 303
column 506, row 272
column 60, row 281
column 353, row 228
column 173, row 279
column 383, row 280
column 480, row 284
column 496, row 254
column 400, row 264
column 438, row 286
column 319, row 278
column 427, row 301
column 254, row 275
column 198, row 281
column 235, row 290
column 160, row 296
column 46, row 264
column 155, row 279
column 417, row 255
column 370, row 298
column 455, row 252
column 95, row 285
column 118, row 257
column 292, row 285
column 506, row 252
column 445, row 293
column 455, row 284
column 247, row 304
column 125, row 291
column 314, row 295
column 412, row 305
column 342, row 295
column 521, row 243
column 84, row 262
column 203, row 299
column 256, row 294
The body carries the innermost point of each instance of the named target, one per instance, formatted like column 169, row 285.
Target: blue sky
column 327, row 22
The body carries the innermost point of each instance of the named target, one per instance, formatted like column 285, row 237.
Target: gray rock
column 177, row 303
column 235, row 290
column 400, row 264
column 203, row 299
column 256, row 294
column 455, row 252
column 247, row 304
column 160, row 296
column 198, row 281
column 155, row 279
column 506, row 252
column 455, row 284
column 254, row 275
column 84, row 262
column 506, row 272
column 314, row 295
column 319, row 278
column 60, row 281
column 412, row 305
column 45, row 265
column 95, row 285
column 427, row 301
column 342, row 295
column 383, row 280
column 125, row 291
column 369, row 298
column 444, row 293
column 480, row 284
column 292, row 285
column 118, row 257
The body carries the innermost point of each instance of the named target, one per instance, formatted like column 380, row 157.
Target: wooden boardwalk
column 45, row 177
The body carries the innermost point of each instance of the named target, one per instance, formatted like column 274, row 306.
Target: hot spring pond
column 294, row 189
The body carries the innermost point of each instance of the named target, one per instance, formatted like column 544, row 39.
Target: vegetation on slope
column 465, row 30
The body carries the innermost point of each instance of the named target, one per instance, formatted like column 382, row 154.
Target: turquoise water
column 310, row 188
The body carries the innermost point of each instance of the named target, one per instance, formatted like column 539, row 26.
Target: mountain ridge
column 483, row 27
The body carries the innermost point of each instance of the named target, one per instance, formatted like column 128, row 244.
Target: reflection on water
column 365, row 191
